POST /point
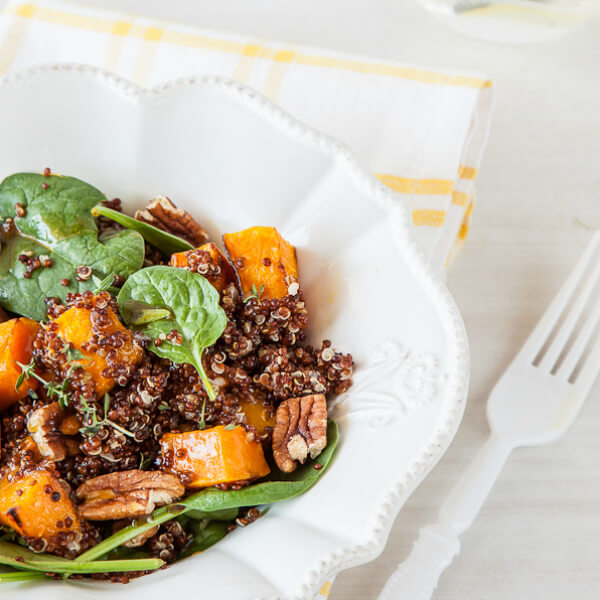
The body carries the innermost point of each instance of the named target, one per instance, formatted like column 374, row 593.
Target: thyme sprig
column 92, row 424
column 254, row 293
column 54, row 391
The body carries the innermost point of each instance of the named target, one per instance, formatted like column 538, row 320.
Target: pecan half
column 162, row 213
column 44, row 424
column 127, row 494
column 300, row 430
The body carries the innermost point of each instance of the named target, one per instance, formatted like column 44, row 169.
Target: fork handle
column 416, row 578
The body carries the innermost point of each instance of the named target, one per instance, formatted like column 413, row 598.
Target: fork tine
column 588, row 374
column 575, row 311
column 581, row 341
column 543, row 329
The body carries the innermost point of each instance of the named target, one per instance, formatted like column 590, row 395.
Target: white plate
column 228, row 155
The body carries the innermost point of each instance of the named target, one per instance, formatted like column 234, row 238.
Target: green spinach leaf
column 21, row 558
column 205, row 534
column 228, row 514
column 167, row 243
column 195, row 313
column 54, row 219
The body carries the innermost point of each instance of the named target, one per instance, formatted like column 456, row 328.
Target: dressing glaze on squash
column 76, row 326
column 211, row 456
column 208, row 261
column 262, row 259
column 36, row 505
column 16, row 344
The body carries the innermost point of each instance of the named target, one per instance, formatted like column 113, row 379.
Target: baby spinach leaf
column 195, row 313
column 228, row 514
column 167, row 243
column 22, row 558
column 56, row 221
column 14, row 576
column 205, row 534
column 286, row 486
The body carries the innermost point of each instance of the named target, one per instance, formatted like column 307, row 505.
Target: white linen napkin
column 421, row 131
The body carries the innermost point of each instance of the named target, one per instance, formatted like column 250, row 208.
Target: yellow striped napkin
column 420, row 131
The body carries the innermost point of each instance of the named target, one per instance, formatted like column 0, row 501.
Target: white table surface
column 538, row 536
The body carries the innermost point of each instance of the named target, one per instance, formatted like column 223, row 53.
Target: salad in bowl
column 156, row 391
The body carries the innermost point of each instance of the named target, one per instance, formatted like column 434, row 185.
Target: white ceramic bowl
column 234, row 159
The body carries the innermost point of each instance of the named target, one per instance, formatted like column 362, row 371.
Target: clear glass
column 513, row 21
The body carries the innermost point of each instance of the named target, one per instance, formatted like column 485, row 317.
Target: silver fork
column 533, row 403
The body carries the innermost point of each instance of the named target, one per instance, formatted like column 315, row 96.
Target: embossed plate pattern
column 234, row 159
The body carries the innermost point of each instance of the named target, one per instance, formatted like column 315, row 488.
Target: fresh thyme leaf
column 254, row 293
column 20, row 380
column 230, row 426
column 73, row 354
column 164, row 406
column 92, row 424
column 145, row 462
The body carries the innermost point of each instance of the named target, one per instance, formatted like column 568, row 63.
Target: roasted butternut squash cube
column 16, row 345
column 77, row 326
column 211, row 456
column 37, row 505
column 258, row 415
column 263, row 260
column 208, row 261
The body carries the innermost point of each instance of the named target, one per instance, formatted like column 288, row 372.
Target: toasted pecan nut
column 44, row 426
column 127, row 494
column 300, row 431
column 162, row 213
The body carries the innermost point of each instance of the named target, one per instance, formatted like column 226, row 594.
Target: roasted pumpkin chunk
column 208, row 261
column 211, row 456
column 37, row 505
column 257, row 414
column 16, row 345
column 263, row 260
column 79, row 327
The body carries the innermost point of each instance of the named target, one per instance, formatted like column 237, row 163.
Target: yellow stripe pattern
column 325, row 589
column 406, row 185
column 30, row 11
column 430, row 187
column 465, row 172
column 428, row 217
